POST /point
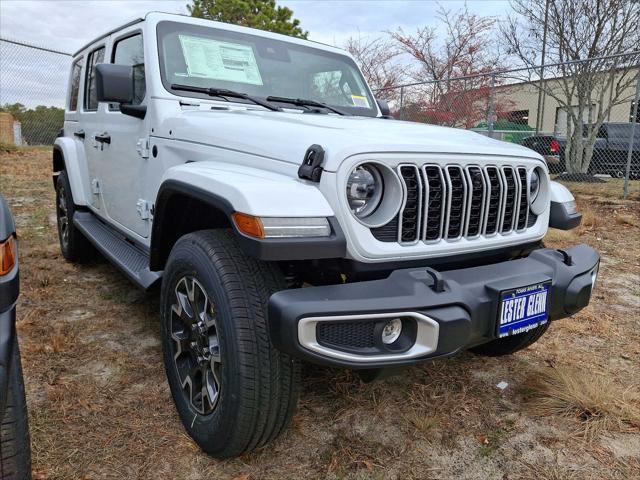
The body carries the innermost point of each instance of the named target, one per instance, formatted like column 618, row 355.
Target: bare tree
column 376, row 58
column 466, row 49
column 586, row 85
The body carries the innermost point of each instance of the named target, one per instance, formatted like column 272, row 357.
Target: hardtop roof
column 221, row 25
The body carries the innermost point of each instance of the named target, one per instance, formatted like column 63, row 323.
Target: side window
column 76, row 69
column 90, row 97
column 129, row 51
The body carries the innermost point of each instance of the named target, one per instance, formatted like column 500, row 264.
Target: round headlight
column 364, row 190
column 534, row 186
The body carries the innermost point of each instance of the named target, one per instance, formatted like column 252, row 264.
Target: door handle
column 103, row 137
column 79, row 134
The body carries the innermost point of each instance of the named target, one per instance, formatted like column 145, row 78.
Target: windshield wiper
column 223, row 92
column 301, row 102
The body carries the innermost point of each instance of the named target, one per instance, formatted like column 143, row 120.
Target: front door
column 123, row 163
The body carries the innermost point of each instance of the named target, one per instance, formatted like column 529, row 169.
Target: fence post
column 632, row 137
column 490, row 106
column 401, row 103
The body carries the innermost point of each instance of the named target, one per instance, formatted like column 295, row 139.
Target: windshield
column 209, row 57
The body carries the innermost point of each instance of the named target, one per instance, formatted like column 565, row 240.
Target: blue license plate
column 523, row 309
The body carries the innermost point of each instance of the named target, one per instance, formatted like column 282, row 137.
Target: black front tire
column 15, row 451
column 512, row 344
column 258, row 385
column 74, row 245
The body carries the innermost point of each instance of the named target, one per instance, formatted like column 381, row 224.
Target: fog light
column 391, row 331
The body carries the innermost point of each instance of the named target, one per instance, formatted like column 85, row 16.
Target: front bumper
column 451, row 311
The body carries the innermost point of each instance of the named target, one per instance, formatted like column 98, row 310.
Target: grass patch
column 7, row 148
column 595, row 400
column 611, row 188
column 590, row 220
column 555, row 236
column 626, row 219
column 491, row 442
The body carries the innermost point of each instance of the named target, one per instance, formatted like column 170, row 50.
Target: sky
column 68, row 24
column 34, row 78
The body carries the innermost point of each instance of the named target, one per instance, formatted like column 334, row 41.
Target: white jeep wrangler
column 288, row 218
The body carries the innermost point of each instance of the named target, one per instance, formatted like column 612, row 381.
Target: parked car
column 610, row 152
column 15, row 452
column 549, row 146
column 236, row 166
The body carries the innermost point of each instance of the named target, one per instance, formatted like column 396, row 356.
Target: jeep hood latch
column 311, row 168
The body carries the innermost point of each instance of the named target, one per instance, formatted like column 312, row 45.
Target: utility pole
column 634, row 126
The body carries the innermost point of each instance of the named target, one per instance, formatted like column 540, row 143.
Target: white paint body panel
column 250, row 156
column 560, row 193
column 264, row 194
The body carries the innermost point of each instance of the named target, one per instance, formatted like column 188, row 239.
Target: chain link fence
column 33, row 85
column 582, row 116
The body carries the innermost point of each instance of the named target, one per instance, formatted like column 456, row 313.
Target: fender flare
column 563, row 214
column 67, row 149
column 247, row 186
column 7, row 225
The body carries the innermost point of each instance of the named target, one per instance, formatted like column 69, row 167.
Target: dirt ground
column 100, row 407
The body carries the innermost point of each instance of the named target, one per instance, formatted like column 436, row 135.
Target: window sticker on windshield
column 360, row 101
column 231, row 62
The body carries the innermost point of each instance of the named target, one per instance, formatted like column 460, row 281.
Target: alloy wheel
column 196, row 345
column 63, row 215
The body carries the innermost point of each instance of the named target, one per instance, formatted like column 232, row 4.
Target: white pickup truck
column 287, row 218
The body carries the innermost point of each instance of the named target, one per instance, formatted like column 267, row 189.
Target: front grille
column 453, row 202
column 357, row 334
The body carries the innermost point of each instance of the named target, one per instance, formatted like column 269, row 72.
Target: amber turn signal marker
column 7, row 255
column 248, row 224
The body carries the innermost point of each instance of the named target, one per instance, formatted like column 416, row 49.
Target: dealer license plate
column 522, row 309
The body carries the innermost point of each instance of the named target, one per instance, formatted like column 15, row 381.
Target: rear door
column 123, row 163
column 89, row 123
column 73, row 127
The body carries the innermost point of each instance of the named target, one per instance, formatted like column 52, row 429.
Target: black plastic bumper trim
column 561, row 219
column 466, row 310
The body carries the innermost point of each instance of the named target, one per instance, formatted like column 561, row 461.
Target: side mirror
column 114, row 83
column 384, row 108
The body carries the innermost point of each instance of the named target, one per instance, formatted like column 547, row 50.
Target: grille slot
column 435, row 205
column 410, row 214
column 494, row 204
column 357, row 334
column 523, row 210
column 457, row 186
column 477, row 193
column 511, row 190
column 454, row 202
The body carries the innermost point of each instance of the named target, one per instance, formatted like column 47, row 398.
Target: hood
column 286, row 136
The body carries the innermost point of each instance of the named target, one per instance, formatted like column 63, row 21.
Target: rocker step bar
column 133, row 262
